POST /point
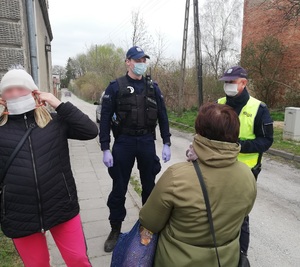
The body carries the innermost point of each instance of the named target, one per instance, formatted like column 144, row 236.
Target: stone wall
column 14, row 43
column 11, row 35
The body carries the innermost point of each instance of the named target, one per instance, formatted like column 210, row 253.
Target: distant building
column 56, row 83
column 25, row 39
column 261, row 19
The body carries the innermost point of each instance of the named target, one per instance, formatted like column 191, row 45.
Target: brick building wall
column 260, row 21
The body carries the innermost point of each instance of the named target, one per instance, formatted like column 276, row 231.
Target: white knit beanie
column 19, row 78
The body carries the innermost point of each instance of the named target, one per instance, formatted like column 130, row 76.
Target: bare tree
column 140, row 35
column 155, row 47
column 59, row 70
column 221, row 32
column 80, row 63
column 158, row 51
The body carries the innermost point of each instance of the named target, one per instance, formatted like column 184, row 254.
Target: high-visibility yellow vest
column 247, row 116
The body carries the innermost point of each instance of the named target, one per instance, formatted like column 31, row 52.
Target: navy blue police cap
column 234, row 73
column 136, row 52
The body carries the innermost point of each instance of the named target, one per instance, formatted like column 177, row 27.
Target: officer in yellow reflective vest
column 256, row 128
column 247, row 116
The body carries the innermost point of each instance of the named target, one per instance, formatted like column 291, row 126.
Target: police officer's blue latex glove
column 166, row 153
column 108, row 158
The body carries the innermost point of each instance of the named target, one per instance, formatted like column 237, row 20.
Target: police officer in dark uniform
column 256, row 128
column 131, row 106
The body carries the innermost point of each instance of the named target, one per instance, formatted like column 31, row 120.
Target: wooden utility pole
column 198, row 54
column 183, row 56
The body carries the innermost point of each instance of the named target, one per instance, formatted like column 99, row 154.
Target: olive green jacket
column 176, row 207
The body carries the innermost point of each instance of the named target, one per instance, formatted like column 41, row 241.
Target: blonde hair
column 41, row 114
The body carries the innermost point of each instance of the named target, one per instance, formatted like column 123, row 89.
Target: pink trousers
column 69, row 239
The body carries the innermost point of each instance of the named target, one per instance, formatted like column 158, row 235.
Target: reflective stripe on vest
column 247, row 116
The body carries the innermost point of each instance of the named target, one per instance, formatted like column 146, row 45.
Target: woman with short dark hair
column 176, row 207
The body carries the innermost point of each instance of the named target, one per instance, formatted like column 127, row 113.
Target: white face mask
column 20, row 105
column 231, row 89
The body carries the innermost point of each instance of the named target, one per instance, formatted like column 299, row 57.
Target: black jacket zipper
column 35, row 178
column 67, row 187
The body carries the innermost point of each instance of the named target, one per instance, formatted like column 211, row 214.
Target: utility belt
column 135, row 132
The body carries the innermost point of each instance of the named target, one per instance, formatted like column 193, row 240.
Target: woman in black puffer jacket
column 38, row 190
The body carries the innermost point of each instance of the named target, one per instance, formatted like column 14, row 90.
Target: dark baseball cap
column 234, row 73
column 136, row 52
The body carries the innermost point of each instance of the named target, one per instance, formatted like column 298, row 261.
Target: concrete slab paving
column 93, row 186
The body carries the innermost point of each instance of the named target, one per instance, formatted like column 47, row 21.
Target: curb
column 135, row 197
column 283, row 154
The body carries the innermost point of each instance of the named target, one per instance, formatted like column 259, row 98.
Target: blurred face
column 15, row 92
column 241, row 84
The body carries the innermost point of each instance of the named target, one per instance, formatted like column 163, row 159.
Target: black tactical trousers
column 125, row 150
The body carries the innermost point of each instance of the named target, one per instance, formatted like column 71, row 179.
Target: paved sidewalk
column 93, row 186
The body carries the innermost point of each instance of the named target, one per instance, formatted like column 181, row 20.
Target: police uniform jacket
column 39, row 189
column 109, row 107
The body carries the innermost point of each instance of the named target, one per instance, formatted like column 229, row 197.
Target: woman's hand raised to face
column 48, row 98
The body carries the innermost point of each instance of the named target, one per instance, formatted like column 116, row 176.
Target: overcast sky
column 77, row 24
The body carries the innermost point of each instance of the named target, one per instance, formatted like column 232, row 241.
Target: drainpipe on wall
column 32, row 40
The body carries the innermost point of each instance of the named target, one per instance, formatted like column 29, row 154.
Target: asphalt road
column 275, row 218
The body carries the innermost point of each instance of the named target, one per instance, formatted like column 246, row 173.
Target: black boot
column 112, row 239
column 244, row 261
